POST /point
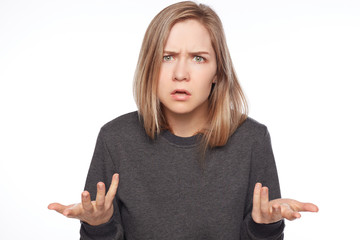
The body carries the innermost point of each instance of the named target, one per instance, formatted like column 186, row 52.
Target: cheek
column 164, row 76
column 205, row 72
column 206, row 79
column 162, row 89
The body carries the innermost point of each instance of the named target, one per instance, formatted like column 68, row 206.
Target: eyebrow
column 191, row 53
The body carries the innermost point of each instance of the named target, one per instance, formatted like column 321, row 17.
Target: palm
column 265, row 211
column 93, row 212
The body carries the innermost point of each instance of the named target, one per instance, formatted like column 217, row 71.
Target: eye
column 167, row 58
column 199, row 59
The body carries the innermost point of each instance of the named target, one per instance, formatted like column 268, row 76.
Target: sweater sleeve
column 101, row 169
column 263, row 170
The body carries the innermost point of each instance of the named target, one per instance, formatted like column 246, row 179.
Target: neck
column 187, row 124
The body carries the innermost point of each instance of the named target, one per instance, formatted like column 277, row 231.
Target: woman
column 190, row 163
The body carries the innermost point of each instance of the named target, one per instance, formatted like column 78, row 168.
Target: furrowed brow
column 191, row 53
column 199, row 53
column 170, row 52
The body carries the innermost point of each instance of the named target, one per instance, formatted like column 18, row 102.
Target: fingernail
column 100, row 186
column 258, row 185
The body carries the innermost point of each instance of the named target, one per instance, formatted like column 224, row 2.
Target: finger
column 265, row 202
column 100, row 196
column 86, row 201
column 73, row 211
column 301, row 207
column 112, row 190
column 256, row 199
column 276, row 211
column 288, row 213
column 57, row 207
column 308, row 207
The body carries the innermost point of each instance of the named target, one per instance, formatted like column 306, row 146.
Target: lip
column 180, row 90
column 180, row 97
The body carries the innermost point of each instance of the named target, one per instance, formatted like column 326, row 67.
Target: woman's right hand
column 92, row 212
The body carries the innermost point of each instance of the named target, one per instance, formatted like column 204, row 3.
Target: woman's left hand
column 265, row 211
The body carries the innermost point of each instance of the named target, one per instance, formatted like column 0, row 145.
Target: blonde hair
column 227, row 104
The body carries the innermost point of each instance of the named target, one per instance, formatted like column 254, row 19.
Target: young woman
column 190, row 163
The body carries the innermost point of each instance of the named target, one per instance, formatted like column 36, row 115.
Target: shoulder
column 127, row 124
column 251, row 130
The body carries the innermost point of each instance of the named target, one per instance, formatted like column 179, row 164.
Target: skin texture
column 265, row 211
column 92, row 212
column 185, row 67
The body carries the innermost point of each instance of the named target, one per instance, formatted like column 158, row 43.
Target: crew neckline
column 181, row 141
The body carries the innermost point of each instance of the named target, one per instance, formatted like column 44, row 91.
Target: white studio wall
column 66, row 68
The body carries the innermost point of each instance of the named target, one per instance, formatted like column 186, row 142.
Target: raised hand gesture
column 265, row 211
column 92, row 212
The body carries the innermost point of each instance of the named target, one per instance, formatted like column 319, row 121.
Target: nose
column 181, row 71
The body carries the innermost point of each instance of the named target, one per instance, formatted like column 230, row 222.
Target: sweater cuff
column 266, row 230
column 102, row 230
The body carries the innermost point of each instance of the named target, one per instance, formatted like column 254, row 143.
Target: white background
column 66, row 68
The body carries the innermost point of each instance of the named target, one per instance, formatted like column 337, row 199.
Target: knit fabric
column 164, row 194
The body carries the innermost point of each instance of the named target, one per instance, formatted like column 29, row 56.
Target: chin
column 179, row 110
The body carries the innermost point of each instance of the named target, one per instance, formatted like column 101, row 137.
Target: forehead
column 189, row 35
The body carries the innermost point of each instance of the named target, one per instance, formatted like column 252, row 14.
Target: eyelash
column 203, row 59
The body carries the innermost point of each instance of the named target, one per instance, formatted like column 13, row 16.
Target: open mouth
column 180, row 92
column 180, row 95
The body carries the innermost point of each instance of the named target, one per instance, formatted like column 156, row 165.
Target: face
column 188, row 70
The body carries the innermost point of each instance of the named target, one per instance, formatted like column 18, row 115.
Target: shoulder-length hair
column 227, row 103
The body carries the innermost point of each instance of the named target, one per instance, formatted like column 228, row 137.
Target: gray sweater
column 164, row 195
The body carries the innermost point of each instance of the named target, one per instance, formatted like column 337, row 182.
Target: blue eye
column 167, row 58
column 199, row 59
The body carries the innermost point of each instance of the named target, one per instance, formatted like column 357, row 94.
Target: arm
column 268, row 209
column 263, row 169
column 98, row 212
column 101, row 170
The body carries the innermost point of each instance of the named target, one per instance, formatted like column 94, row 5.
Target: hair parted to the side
column 227, row 104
